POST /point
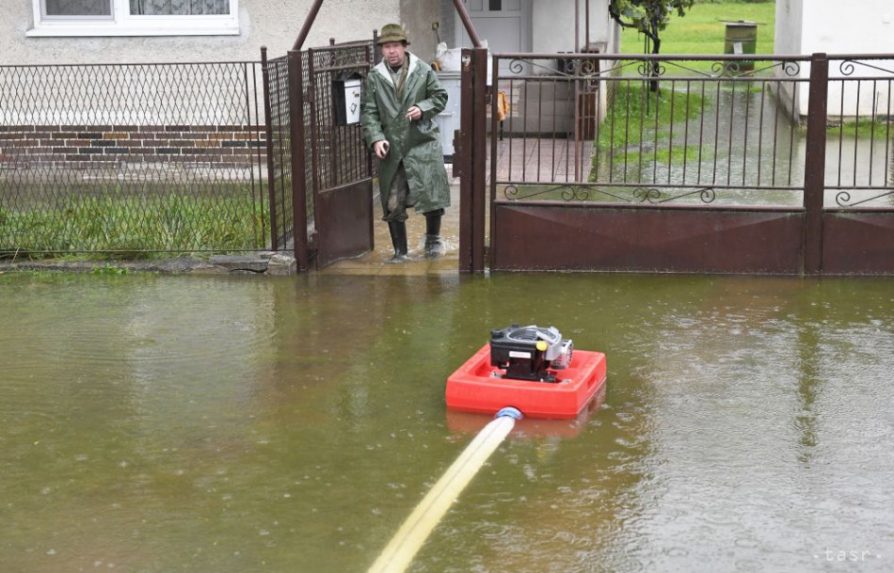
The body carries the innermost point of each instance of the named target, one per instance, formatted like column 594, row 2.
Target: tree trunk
column 654, row 68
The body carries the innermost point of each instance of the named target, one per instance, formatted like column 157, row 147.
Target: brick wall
column 79, row 146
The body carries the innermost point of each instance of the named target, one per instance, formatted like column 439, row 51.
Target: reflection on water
column 205, row 424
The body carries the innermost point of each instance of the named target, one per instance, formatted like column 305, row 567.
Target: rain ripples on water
column 152, row 423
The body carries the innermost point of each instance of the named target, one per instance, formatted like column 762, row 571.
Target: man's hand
column 414, row 113
column 381, row 148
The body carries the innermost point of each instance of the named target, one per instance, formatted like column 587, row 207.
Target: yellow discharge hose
column 399, row 552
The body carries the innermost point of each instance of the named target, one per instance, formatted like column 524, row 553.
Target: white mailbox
column 346, row 94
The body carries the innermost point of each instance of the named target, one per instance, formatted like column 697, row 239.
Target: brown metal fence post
column 494, row 131
column 473, row 157
column 472, row 149
column 299, row 175
column 463, row 156
column 376, row 53
column 271, row 170
column 371, row 55
column 815, row 164
column 479, row 159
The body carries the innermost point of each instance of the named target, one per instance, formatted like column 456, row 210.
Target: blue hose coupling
column 509, row 411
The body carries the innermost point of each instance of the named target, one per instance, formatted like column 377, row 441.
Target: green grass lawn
column 155, row 221
column 702, row 31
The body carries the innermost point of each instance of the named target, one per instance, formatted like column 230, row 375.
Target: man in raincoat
column 401, row 98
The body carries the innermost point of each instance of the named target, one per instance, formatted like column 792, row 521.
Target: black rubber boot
column 434, row 246
column 398, row 230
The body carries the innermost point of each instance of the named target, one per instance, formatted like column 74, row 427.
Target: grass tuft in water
column 107, row 269
column 862, row 128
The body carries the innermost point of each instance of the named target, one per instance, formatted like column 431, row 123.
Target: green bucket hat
column 393, row 33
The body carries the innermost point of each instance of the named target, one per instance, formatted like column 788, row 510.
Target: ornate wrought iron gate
column 594, row 170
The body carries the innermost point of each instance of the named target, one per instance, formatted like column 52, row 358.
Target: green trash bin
column 741, row 38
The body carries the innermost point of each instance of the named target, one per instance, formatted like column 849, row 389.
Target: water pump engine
column 530, row 352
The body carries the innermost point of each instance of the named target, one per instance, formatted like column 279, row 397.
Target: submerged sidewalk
column 375, row 261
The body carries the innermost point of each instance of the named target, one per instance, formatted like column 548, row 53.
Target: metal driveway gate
column 593, row 169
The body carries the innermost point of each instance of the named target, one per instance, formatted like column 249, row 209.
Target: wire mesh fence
column 340, row 155
column 279, row 152
column 132, row 159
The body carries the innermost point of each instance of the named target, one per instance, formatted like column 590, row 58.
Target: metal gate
column 340, row 162
column 593, row 169
column 319, row 168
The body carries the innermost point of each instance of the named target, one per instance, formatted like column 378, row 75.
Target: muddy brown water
column 176, row 423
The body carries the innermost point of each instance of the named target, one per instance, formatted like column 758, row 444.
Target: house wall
column 789, row 18
column 787, row 40
column 273, row 23
column 417, row 16
column 822, row 26
column 110, row 146
column 865, row 27
column 553, row 25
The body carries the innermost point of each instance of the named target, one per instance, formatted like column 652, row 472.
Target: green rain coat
column 415, row 143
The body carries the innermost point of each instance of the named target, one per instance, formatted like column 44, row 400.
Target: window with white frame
column 135, row 17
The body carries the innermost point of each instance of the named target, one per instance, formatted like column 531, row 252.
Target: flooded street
column 182, row 423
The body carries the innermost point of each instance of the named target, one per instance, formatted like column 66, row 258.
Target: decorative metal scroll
column 843, row 198
column 583, row 192
column 580, row 192
column 654, row 196
column 722, row 68
column 588, row 69
column 571, row 68
column 847, row 67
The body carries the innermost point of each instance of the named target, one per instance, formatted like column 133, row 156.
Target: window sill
column 112, row 29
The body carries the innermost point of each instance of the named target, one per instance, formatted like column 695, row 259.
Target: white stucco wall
column 274, row 23
column 787, row 40
column 417, row 16
column 863, row 26
column 553, row 25
column 822, row 26
column 787, row 36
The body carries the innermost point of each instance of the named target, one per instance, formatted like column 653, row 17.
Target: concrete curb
column 262, row 263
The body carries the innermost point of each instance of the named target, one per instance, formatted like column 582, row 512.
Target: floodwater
column 175, row 423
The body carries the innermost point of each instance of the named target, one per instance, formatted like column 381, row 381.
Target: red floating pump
column 530, row 368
